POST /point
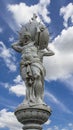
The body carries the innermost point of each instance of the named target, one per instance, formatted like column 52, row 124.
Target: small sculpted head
column 26, row 36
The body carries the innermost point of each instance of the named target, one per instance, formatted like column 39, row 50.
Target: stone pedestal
column 33, row 117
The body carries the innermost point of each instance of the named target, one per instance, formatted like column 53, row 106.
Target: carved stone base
column 33, row 117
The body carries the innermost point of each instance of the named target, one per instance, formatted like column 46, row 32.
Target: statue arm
column 42, row 53
column 17, row 47
column 48, row 52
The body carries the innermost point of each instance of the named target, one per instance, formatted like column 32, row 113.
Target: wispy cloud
column 68, row 82
column 8, row 56
column 28, row 11
column 1, row 30
column 8, row 120
column 8, row 103
column 48, row 122
column 11, row 39
column 68, row 126
column 17, row 87
column 53, row 99
column 67, row 13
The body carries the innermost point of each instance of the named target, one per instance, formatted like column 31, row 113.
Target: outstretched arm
column 48, row 52
column 17, row 47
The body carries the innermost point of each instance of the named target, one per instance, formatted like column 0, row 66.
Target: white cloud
column 53, row 99
column 70, row 124
column 22, row 13
column 6, row 85
column 67, row 13
column 18, row 89
column 11, row 39
column 8, row 56
column 60, row 66
column 48, row 122
column 18, row 79
column 7, row 119
column 19, row 86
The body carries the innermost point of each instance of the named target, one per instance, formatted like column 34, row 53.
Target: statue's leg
column 38, row 88
column 38, row 84
column 23, row 72
column 29, row 93
column 23, row 75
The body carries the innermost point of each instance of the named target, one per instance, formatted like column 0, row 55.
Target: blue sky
column 57, row 15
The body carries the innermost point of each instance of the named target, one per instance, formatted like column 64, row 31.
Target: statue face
column 25, row 39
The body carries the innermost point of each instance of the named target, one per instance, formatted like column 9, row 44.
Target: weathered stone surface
column 32, row 52
column 33, row 117
column 33, row 46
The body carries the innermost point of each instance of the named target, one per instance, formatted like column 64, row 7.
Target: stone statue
column 33, row 46
column 31, row 68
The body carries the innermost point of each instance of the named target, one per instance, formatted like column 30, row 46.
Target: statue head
column 26, row 36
